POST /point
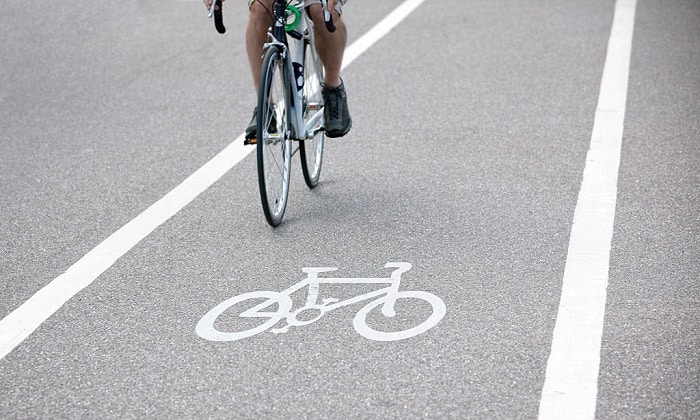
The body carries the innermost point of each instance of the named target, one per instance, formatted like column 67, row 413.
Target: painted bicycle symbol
column 312, row 310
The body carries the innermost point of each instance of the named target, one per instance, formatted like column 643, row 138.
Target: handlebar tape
column 219, row 18
column 328, row 16
column 329, row 24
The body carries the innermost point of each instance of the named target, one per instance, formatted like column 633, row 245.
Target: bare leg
column 256, row 35
column 330, row 46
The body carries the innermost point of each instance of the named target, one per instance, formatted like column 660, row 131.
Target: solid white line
column 20, row 323
column 24, row 320
column 571, row 381
column 379, row 30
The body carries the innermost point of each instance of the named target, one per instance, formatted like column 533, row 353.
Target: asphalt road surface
column 472, row 124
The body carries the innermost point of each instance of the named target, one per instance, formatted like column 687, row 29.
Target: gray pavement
column 471, row 124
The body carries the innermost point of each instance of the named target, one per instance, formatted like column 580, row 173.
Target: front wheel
column 311, row 150
column 362, row 327
column 274, row 144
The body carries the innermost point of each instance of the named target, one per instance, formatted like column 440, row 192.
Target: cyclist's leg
column 259, row 20
column 330, row 46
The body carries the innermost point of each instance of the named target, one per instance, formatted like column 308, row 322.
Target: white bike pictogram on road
column 385, row 297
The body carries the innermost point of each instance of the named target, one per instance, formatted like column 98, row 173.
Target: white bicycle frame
column 302, row 33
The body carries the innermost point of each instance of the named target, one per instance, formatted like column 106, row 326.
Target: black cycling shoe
column 338, row 120
column 251, row 131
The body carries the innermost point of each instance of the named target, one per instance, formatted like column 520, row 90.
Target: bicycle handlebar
column 218, row 16
column 328, row 17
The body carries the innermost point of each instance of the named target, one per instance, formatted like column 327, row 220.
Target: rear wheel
column 311, row 150
column 207, row 328
column 273, row 142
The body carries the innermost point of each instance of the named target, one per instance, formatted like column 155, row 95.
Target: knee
column 259, row 16
column 315, row 11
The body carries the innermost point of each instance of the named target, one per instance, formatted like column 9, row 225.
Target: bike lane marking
column 24, row 320
column 571, row 380
column 387, row 297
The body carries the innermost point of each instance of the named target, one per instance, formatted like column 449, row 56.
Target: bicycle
column 290, row 103
column 386, row 297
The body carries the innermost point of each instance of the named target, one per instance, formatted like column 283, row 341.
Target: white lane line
column 379, row 30
column 571, row 381
column 24, row 320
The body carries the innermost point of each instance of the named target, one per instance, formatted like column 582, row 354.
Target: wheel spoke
column 311, row 151
column 273, row 148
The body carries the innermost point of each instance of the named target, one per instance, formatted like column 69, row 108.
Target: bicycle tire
column 362, row 328
column 274, row 146
column 311, row 150
column 206, row 329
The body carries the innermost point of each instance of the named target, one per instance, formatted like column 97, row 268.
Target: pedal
column 252, row 141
